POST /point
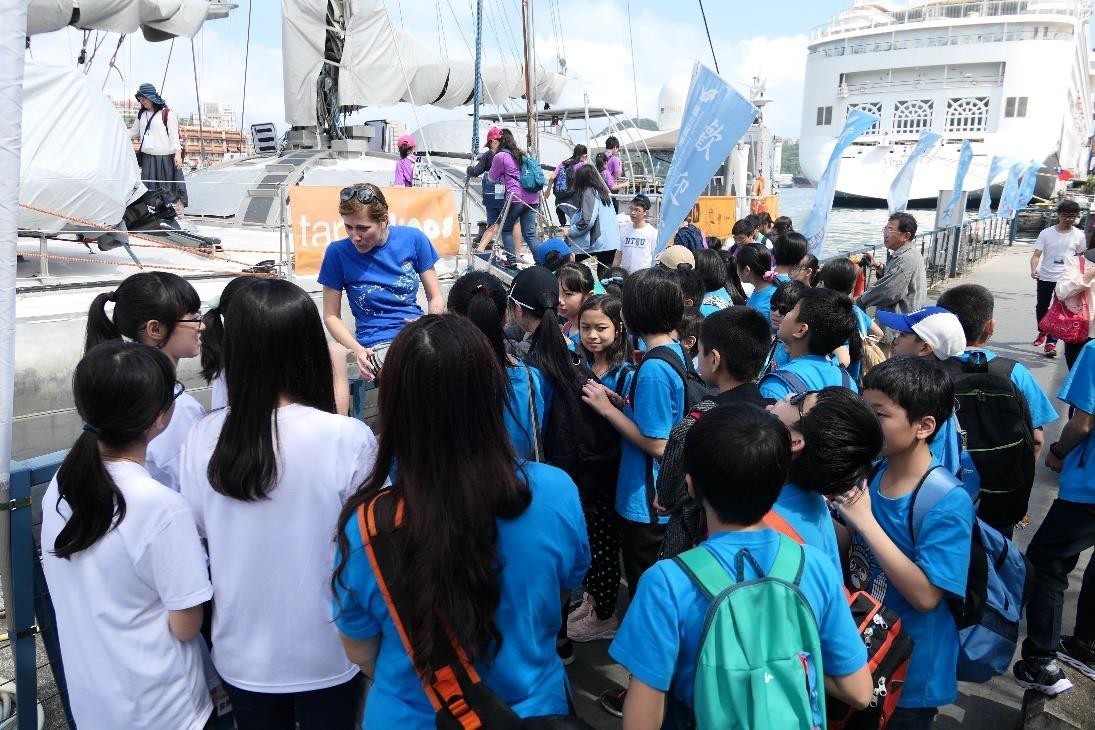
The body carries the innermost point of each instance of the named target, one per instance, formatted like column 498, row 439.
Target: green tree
column 789, row 163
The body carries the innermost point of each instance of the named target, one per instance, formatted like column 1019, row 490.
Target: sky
column 766, row 39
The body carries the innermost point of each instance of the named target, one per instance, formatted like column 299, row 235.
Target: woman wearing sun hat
column 404, row 169
column 158, row 152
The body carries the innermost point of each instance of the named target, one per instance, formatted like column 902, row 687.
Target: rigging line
column 198, row 99
column 496, row 102
column 709, row 42
column 407, row 83
column 518, row 57
column 95, row 49
column 111, row 65
column 467, row 45
column 634, row 70
column 246, row 63
column 167, row 65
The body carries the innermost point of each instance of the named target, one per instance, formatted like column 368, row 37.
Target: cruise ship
column 1012, row 76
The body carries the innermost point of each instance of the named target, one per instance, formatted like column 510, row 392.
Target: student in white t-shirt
column 638, row 238
column 1047, row 263
column 122, row 557
column 266, row 478
column 162, row 310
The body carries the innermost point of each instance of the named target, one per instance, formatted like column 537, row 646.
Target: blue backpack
column 996, row 587
column 562, row 181
column 532, row 175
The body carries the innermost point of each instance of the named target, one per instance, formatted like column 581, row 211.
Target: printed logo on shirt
column 864, row 572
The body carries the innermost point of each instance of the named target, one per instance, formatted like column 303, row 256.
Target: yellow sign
column 716, row 214
column 316, row 222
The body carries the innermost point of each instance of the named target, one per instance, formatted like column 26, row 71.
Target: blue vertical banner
column 857, row 123
column 965, row 157
column 1030, row 180
column 1009, row 198
column 898, row 197
column 997, row 166
column 715, row 118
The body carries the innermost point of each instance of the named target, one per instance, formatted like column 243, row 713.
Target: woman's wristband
column 1056, row 451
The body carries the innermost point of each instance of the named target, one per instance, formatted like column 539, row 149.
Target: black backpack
column 695, row 390
column 997, row 431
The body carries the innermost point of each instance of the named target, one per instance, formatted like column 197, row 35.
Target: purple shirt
column 504, row 169
column 614, row 169
column 404, row 172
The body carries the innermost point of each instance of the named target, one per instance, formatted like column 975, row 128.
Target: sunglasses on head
column 363, row 195
column 798, row 400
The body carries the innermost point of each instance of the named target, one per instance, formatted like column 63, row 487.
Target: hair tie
column 612, row 280
column 770, row 274
column 92, row 429
column 111, row 297
column 480, row 289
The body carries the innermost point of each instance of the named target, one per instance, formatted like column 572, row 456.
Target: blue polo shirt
column 659, row 638
column 657, row 407
column 1077, row 482
column 807, row 512
column 817, row 371
column 942, row 551
column 381, row 285
column 527, row 392
column 543, row 552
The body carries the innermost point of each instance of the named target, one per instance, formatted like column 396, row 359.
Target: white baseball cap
column 938, row 327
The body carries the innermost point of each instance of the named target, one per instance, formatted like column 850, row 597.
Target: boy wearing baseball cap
column 637, row 238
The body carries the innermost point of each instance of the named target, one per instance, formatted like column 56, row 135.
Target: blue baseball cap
column 552, row 244
column 938, row 327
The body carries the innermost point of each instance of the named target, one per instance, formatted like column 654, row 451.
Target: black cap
column 535, row 289
column 642, row 200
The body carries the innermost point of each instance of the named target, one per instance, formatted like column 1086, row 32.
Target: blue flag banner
column 1030, row 180
column 964, row 159
column 898, row 197
column 996, row 167
column 857, row 123
column 715, row 118
column 1009, row 198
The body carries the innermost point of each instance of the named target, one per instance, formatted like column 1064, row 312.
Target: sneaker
column 580, row 610
column 1077, row 655
column 1046, row 677
column 565, row 649
column 591, row 628
column 1051, row 349
column 612, row 701
column 1040, row 339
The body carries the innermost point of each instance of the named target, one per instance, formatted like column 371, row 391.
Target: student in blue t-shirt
column 840, row 275
column 788, row 251
column 914, row 577
column 652, row 307
column 755, row 268
column 735, row 461
column 783, row 301
column 834, row 438
column 712, row 269
column 483, row 298
column 380, row 267
column 506, row 539
column 820, row 322
column 1067, row 530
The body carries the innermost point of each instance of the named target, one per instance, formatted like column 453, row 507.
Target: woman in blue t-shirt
column 487, row 547
column 379, row 266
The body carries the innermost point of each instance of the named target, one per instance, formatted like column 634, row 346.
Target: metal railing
column 950, row 252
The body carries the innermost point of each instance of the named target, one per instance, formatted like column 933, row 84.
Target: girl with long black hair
column 482, row 297
column 266, row 478
column 115, row 540
column 594, row 229
column 162, row 310
column 505, row 169
column 487, row 542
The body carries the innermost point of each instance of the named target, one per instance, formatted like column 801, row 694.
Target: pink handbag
column 1068, row 322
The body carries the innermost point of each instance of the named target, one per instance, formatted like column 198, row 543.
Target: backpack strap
column 935, row 485
column 791, row 379
column 705, row 571
column 790, row 561
column 664, row 354
column 537, row 444
column 378, row 521
column 780, row 524
column 708, row 575
column 845, row 377
column 1002, row 366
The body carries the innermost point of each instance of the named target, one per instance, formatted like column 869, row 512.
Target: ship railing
column 950, row 252
column 939, row 41
column 945, row 11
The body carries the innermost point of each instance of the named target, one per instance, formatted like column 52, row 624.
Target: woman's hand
column 178, row 159
column 365, row 363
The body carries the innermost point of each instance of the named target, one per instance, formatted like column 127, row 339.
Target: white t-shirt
column 637, row 246
column 1056, row 247
column 164, row 451
column 219, row 399
column 271, row 559
column 123, row 666
column 160, row 139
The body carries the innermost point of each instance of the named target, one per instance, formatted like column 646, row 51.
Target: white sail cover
column 77, row 156
column 383, row 65
column 157, row 19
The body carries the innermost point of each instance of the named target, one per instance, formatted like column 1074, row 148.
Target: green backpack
column 759, row 662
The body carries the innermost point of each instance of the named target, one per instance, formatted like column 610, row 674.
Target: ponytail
column 548, row 350
column 100, row 328
column 142, row 298
column 212, row 356
column 97, row 504
column 481, row 297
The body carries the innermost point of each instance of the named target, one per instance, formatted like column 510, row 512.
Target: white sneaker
column 582, row 610
column 592, row 628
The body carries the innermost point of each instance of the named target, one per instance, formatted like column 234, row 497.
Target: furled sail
column 156, row 19
column 383, row 65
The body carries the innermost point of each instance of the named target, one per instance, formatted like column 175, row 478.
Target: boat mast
column 478, row 87
column 526, row 24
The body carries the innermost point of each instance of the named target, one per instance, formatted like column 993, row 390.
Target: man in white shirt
column 1047, row 263
column 637, row 238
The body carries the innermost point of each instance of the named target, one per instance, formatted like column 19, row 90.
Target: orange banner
column 316, row 222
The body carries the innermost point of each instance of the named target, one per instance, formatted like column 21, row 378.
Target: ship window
column 1015, row 106
column 824, row 116
column 912, row 116
column 871, row 107
column 969, row 114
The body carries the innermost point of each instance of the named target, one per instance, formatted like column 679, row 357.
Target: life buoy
column 756, row 206
column 860, row 281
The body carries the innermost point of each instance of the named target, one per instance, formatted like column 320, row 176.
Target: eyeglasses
column 196, row 319
column 363, row 195
column 798, row 400
column 178, row 390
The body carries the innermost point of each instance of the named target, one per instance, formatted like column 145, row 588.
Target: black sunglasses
column 363, row 195
column 798, row 400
